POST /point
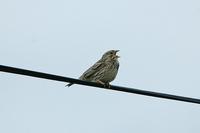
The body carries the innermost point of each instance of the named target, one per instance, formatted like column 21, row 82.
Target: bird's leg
column 104, row 84
column 100, row 82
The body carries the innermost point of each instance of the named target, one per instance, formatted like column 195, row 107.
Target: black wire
column 112, row 87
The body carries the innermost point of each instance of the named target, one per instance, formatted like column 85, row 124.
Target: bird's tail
column 68, row 85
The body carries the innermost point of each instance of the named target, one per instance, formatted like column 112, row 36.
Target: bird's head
column 111, row 54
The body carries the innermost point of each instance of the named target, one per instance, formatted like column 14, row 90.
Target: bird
column 104, row 70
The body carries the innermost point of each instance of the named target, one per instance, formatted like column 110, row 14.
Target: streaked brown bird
column 103, row 71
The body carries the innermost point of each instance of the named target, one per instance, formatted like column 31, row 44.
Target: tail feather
column 68, row 85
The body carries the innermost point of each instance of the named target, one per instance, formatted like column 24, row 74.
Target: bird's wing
column 92, row 70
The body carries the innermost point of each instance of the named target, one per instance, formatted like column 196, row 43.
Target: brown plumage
column 103, row 71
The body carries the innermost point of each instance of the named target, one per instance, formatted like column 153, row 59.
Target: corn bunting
column 103, row 71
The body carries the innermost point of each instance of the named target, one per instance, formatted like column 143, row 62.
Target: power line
column 20, row 71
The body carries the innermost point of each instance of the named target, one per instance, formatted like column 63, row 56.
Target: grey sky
column 159, row 49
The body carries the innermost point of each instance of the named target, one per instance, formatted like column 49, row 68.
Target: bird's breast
column 111, row 72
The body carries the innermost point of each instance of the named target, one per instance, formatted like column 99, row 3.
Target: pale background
column 159, row 47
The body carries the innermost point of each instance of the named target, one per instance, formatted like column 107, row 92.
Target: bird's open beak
column 116, row 51
column 116, row 56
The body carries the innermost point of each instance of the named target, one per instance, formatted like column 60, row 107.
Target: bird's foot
column 107, row 85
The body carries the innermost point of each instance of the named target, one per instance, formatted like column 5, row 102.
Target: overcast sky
column 159, row 44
